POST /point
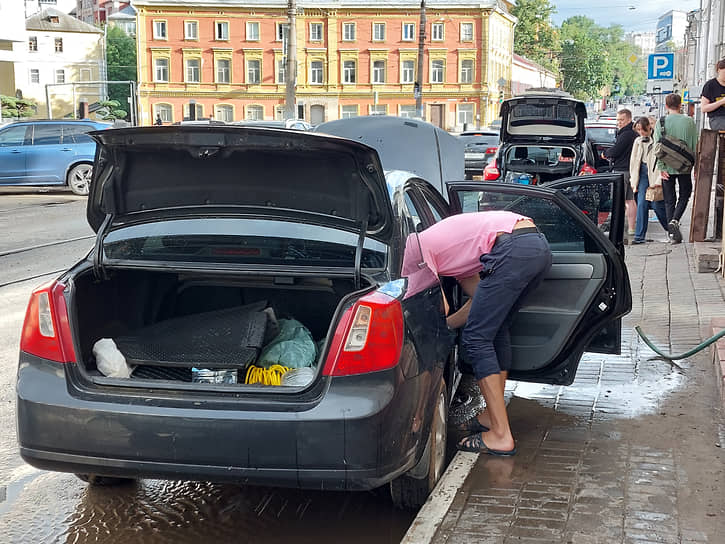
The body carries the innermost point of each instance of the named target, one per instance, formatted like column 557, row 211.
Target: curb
column 718, row 356
column 430, row 517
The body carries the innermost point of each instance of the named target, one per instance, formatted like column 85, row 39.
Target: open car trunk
column 536, row 164
column 167, row 324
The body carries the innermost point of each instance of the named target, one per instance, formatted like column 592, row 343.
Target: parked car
column 216, row 219
column 480, row 147
column 296, row 124
column 542, row 139
column 48, row 153
column 601, row 136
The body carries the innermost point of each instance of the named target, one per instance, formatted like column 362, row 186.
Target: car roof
column 479, row 133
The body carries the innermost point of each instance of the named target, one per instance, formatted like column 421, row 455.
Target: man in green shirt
column 682, row 127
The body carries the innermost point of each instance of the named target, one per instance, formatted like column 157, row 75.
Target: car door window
column 76, row 134
column 13, row 136
column 46, row 135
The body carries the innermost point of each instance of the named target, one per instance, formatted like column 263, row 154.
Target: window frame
column 321, row 26
column 247, row 64
column 347, row 26
column 187, row 35
column 376, row 71
column 377, row 25
column 466, row 24
column 59, row 72
column 345, row 72
column 32, row 44
column 226, row 108
column 30, row 75
column 58, row 42
column 344, row 115
column 461, row 108
column 219, row 37
column 188, row 79
column 279, row 31
column 403, row 71
column 434, row 70
column 321, row 72
column 247, row 26
column 217, row 71
column 156, row 28
column 470, row 72
column 403, row 32
column 255, row 107
column 161, row 106
column 433, row 27
column 167, row 68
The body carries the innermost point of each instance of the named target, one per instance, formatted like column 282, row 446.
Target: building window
column 378, row 109
column 407, row 74
column 222, row 30
column 59, row 45
column 252, row 32
column 466, row 32
column 191, row 30
column 379, row 71
column 223, row 71
column 159, row 30
column 32, row 43
column 193, row 71
column 198, row 111
column 465, row 114
column 165, row 112
column 254, row 71
column 255, row 113
column 348, row 32
column 86, row 74
column 282, row 31
column 316, row 73
column 224, row 112
column 408, row 32
column 408, row 111
column 467, row 71
column 161, row 70
column 282, row 71
column 437, row 32
column 60, row 76
column 437, row 71
column 349, row 111
column 315, row 32
column 34, row 75
column 348, row 71
column 379, row 32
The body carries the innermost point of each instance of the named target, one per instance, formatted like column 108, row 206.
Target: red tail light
column 46, row 332
column 368, row 338
column 491, row 150
column 491, row 172
column 586, row 170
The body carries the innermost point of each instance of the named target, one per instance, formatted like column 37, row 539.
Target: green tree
column 534, row 37
column 585, row 63
column 121, row 61
column 110, row 110
column 17, row 107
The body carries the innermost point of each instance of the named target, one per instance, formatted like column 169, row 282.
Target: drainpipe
column 419, row 75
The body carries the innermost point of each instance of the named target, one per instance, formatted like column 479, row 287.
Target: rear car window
column 561, row 115
column 77, row 134
column 241, row 241
column 46, row 135
column 479, row 142
column 602, row 134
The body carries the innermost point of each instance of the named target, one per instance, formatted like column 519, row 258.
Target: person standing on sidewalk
column 712, row 98
column 643, row 174
column 619, row 154
column 682, row 127
column 498, row 257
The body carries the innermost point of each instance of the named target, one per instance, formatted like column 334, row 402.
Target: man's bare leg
column 499, row 436
column 630, row 207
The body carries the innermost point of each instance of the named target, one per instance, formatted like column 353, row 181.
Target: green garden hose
column 685, row 355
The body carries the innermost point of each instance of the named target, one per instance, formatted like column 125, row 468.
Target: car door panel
column 14, row 142
column 587, row 289
column 47, row 158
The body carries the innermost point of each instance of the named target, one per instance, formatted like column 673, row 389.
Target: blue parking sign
column 661, row 66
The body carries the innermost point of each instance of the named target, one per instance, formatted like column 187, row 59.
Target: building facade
column 12, row 31
column 96, row 12
column 526, row 74
column 59, row 50
column 644, row 40
column 228, row 57
column 671, row 29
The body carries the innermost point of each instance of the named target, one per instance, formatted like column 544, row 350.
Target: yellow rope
column 266, row 376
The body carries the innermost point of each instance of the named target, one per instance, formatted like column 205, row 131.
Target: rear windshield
column 241, row 241
column 561, row 115
column 479, row 142
column 539, row 155
column 602, row 134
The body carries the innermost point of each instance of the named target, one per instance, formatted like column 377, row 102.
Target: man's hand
column 665, row 175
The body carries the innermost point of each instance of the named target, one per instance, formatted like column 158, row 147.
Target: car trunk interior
column 539, row 164
column 162, row 319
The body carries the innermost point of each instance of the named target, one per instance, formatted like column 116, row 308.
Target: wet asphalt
column 613, row 445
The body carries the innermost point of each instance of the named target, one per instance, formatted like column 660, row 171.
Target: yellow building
column 354, row 59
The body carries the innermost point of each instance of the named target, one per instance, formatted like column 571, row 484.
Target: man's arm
column 619, row 147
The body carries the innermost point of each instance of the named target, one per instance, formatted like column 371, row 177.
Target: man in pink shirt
column 498, row 257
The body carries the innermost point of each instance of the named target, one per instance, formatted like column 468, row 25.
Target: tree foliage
column 534, row 37
column 17, row 107
column 585, row 62
column 121, row 59
column 110, row 110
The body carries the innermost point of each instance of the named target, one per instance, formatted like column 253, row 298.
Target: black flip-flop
column 472, row 426
column 475, row 444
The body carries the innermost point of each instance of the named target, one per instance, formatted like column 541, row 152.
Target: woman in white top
column 643, row 173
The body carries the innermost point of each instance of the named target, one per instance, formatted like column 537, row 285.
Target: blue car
column 48, row 153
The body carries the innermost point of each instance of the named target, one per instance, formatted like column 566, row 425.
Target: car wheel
column 411, row 490
column 79, row 179
column 103, row 481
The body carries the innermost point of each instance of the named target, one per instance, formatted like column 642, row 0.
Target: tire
column 411, row 490
column 104, row 481
column 79, row 179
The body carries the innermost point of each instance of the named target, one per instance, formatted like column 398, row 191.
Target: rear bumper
column 358, row 436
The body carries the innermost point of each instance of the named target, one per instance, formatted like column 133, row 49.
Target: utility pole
column 291, row 58
column 418, row 88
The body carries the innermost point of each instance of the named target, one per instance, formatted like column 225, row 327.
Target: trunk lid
column 539, row 115
column 145, row 173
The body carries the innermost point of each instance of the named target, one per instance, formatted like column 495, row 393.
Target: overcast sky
column 605, row 13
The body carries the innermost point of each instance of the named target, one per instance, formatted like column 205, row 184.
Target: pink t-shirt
column 453, row 246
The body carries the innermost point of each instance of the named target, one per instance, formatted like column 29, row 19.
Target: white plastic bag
column 298, row 376
column 109, row 360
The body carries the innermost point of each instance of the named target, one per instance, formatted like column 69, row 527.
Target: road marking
column 429, row 518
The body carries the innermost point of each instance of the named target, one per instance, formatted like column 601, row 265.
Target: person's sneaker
column 673, row 227
column 639, row 241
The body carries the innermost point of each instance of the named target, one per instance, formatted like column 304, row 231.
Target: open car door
column 579, row 305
